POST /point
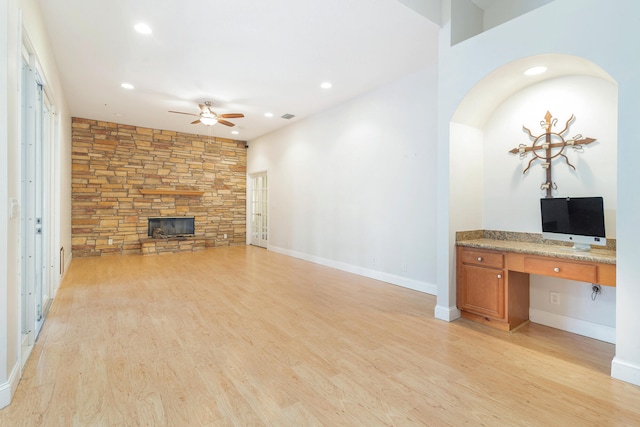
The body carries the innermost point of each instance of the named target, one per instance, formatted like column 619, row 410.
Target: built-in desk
column 493, row 275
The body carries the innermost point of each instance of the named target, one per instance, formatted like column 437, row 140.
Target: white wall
column 36, row 31
column 466, row 174
column 9, row 187
column 609, row 47
column 430, row 9
column 30, row 26
column 511, row 199
column 467, row 20
column 504, row 10
column 471, row 17
column 354, row 187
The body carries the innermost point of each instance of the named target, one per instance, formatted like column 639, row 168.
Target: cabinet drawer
column 563, row 269
column 482, row 258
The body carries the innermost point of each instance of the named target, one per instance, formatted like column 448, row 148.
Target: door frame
column 262, row 237
column 39, row 210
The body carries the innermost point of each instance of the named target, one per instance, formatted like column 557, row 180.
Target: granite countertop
column 533, row 244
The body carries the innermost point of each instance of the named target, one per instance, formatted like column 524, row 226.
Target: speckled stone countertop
column 534, row 244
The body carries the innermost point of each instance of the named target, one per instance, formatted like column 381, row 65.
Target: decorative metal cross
column 548, row 146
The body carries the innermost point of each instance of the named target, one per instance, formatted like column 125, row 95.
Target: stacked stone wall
column 112, row 162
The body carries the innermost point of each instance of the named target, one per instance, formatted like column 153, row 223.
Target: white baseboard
column 448, row 314
column 625, row 371
column 405, row 282
column 576, row 326
column 8, row 389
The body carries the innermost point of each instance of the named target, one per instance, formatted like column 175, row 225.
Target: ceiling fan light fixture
column 208, row 120
column 208, row 117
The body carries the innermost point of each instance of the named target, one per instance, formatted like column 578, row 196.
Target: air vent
column 288, row 116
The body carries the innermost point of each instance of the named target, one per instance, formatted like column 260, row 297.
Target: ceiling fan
column 208, row 117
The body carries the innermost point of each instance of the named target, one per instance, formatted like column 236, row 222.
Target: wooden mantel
column 172, row 192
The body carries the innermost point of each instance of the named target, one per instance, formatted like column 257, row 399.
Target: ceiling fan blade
column 195, row 122
column 224, row 122
column 231, row 115
column 188, row 114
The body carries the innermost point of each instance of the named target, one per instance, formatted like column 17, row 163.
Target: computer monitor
column 579, row 220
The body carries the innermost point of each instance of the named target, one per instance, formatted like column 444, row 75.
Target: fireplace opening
column 163, row 227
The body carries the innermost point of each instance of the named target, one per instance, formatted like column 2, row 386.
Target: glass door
column 36, row 214
column 259, row 210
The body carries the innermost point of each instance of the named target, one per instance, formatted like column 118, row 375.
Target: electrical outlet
column 554, row 297
column 404, row 267
column 225, row 235
column 110, row 241
column 375, row 261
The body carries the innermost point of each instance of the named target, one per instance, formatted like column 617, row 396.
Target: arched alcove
column 480, row 102
column 488, row 189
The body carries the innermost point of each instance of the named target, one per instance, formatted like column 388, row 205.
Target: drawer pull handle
column 499, row 276
column 479, row 259
column 557, row 269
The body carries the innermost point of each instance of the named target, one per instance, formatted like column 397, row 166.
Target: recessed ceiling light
column 235, row 132
column 326, row 85
column 126, row 85
column 118, row 114
column 268, row 114
column 534, row 71
column 142, row 28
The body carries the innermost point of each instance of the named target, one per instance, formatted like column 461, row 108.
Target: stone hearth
column 171, row 244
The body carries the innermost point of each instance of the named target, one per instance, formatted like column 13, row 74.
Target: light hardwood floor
column 242, row 336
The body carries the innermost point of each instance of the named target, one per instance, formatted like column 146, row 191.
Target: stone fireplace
column 122, row 175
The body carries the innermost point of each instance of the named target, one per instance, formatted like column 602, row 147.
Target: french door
column 259, row 210
column 36, row 213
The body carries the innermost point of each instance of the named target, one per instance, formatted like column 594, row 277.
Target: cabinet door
column 481, row 291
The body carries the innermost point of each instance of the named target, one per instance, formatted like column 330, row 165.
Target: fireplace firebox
column 164, row 227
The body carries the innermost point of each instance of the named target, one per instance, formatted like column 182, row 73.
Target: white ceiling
column 247, row 56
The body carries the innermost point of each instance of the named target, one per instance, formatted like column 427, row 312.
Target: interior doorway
column 260, row 210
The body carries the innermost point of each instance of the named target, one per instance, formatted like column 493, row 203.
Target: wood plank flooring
column 241, row 336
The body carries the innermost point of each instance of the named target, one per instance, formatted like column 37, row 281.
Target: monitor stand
column 581, row 247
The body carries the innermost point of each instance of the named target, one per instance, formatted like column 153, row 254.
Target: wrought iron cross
column 548, row 146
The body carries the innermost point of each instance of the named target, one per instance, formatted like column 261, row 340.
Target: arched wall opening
column 487, row 187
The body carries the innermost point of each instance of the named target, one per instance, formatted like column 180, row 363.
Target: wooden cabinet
column 487, row 292
column 493, row 284
column 481, row 291
column 481, row 283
